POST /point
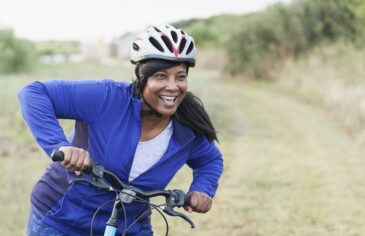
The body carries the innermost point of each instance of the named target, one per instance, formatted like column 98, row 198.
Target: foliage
column 16, row 55
column 289, row 30
column 213, row 32
column 357, row 7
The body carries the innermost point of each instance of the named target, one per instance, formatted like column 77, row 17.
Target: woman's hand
column 198, row 202
column 76, row 159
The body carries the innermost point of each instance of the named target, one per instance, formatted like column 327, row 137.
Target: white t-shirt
column 150, row 152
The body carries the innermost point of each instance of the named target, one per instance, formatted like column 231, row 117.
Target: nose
column 172, row 84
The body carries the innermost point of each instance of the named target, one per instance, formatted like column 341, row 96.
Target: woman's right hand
column 76, row 159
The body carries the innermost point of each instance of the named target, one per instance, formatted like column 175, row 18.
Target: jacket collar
column 182, row 133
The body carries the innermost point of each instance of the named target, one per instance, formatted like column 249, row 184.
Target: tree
column 16, row 55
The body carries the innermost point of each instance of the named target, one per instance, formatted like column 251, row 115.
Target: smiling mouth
column 168, row 100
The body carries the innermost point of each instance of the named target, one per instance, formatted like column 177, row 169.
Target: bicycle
column 125, row 194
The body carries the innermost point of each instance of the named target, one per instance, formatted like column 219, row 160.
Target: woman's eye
column 160, row 76
column 181, row 77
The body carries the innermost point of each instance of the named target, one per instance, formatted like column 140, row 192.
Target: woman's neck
column 153, row 126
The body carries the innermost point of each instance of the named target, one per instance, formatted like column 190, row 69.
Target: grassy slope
column 331, row 76
column 289, row 170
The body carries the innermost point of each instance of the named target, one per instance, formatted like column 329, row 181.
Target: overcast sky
column 89, row 20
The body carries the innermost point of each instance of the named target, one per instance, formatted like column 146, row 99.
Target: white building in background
column 95, row 51
column 119, row 47
column 98, row 50
column 101, row 51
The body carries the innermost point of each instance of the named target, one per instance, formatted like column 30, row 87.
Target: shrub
column 282, row 31
column 16, row 55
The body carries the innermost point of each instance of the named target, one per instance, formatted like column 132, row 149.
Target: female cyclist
column 144, row 132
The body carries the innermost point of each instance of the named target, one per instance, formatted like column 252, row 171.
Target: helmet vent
column 167, row 42
column 190, row 48
column 182, row 45
column 135, row 47
column 156, row 29
column 156, row 44
column 174, row 36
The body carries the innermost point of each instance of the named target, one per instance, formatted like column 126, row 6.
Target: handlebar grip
column 57, row 155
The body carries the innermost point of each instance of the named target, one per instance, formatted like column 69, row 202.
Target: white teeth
column 168, row 98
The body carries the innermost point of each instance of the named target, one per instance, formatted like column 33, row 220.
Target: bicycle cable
column 125, row 216
column 96, row 212
column 156, row 207
column 153, row 206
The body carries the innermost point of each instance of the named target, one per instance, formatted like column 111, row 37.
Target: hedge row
column 282, row 31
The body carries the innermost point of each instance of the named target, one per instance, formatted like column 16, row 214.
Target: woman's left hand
column 198, row 202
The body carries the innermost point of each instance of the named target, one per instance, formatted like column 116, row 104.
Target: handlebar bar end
column 57, row 155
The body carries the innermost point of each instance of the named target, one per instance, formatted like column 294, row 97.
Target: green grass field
column 289, row 168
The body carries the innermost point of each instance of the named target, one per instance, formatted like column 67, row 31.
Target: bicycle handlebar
column 127, row 194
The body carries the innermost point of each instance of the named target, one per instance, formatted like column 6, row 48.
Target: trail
column 289, row 169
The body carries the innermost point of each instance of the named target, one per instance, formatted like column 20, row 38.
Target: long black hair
column 190, row 112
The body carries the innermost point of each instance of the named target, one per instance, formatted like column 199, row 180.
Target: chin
column 165, row 112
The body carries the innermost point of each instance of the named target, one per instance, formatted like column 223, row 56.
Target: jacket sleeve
column 42, row 103
column 207, row 164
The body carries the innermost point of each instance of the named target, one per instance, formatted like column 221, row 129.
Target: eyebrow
column 180, row 71
column 183, row 70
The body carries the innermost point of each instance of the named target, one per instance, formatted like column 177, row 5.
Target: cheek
column 149, row 90
column 183, row 87
column 183, row 91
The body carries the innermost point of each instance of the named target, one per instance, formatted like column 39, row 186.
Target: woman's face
column 165, row 89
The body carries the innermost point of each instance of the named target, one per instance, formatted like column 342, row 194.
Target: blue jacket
column 113, row 117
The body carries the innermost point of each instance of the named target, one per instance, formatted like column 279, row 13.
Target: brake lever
column 97, row 183
column 96, row 170
column 169, row 210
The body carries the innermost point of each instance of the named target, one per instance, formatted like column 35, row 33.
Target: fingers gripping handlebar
column 108, row 181
column 96, row 170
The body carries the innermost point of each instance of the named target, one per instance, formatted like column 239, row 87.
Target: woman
column 144, row 132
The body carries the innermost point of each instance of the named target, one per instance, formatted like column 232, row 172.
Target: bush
column 357, row 7
column 16, row 55
column 282, row 31
column 212, row 32
column 263, row 39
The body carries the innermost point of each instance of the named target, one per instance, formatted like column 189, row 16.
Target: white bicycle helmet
column 163, row 42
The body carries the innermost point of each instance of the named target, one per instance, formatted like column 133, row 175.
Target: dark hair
column 190, row 112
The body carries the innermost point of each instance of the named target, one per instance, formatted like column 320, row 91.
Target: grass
column 331, row 77
column 289, row 168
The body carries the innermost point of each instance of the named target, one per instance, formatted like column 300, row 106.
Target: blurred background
column 282, row 80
